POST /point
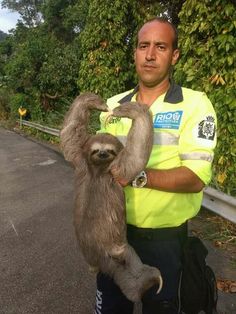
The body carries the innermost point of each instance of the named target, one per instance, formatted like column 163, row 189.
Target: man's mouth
column 150, row 66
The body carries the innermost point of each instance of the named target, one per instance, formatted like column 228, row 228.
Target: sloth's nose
column 103, row 154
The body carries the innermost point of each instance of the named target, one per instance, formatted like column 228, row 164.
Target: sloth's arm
column 74, row 132
column 134, row 157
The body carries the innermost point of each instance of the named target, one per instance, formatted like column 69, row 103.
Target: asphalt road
column 41, row 269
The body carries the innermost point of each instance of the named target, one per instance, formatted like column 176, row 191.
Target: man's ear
column 175, row 56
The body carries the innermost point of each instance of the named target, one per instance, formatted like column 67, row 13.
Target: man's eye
column 143, row 46
column 161, row 47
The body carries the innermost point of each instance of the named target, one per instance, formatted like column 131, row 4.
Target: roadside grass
column 216, row 228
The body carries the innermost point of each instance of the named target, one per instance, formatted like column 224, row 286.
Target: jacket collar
column 174, row 94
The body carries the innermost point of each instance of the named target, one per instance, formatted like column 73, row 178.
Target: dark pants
column 156, row 247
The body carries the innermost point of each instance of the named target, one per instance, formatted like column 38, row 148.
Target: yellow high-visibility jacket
column 184, row 123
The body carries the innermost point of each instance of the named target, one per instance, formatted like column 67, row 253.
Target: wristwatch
column 140, row 180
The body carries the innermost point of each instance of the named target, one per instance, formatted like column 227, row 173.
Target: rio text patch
column 168, row 120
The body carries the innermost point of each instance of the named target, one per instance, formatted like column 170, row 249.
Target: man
column 169, row 192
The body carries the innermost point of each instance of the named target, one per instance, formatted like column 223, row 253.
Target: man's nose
column 151, row 53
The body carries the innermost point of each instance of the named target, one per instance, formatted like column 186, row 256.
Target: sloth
column 99, row 215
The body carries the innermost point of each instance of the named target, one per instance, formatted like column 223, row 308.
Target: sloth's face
column 101, row 153
column 102, row 149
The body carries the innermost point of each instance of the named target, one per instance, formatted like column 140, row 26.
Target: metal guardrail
column 42, row 128
column 220, row 203
column 213, row 200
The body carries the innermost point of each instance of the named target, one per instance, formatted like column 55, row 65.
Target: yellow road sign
column 22, row 111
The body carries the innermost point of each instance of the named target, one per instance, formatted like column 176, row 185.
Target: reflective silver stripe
column 165, row 138
column 160, row 138
column 197, row 156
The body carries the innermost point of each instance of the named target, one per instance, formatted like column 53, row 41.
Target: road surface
column 41, row 270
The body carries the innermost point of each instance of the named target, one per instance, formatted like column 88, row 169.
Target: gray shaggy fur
column 99, row 216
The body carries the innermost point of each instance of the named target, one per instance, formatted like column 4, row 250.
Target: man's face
column 154, row 54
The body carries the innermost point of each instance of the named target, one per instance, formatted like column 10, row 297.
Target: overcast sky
column 8, row 19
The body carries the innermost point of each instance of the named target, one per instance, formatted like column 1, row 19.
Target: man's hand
column 115, row 173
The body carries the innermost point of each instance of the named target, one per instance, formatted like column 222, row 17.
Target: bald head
column 169, row 26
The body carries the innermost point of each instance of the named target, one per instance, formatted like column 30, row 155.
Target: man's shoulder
column 114, row 100
column 196, row 101
column 195, row 97
column 191, row 92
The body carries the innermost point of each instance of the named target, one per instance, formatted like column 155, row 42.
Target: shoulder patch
column 206, row 128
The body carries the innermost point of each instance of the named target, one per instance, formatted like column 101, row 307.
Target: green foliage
column 54, row 17
column 28, row 10
column 39, row 60
column 104, row 68
column 207, row 40
column 26, row 60
column 4, row 103
column 59, row 69
column 107, row 44
column 75, row 16
column 17, row 101
column 2, row 35
column 42, row 67
column 31, row 104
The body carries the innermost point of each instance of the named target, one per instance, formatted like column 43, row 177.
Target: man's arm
column 177, row 180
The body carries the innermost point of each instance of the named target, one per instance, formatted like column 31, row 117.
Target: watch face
column 140, row 181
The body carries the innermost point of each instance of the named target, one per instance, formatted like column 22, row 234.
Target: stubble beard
column 151, row 80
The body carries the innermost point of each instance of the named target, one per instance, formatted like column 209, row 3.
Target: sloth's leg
column 118, row 252
column 131, row 275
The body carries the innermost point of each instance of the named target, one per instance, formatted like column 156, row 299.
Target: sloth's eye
column 112, row 152
column 95, row 151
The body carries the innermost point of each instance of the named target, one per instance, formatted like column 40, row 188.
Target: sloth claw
column 160, row 285
column 108, row 117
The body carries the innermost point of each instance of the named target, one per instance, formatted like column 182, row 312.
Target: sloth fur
column 99, row 216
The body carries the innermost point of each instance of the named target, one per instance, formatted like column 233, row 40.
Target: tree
column 207, row 39
column 29, row 10
column 58, row 74
column 54, row 15
column 2, row 35
column 41, row 67
column 75, row 16
column 42, row 60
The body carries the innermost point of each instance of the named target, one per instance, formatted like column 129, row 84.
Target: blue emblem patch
column 168, row 120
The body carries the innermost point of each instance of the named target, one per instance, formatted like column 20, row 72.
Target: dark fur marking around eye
column 112, row 152
column 94, row 152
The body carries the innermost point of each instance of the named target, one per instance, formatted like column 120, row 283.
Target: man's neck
column 147, row 95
